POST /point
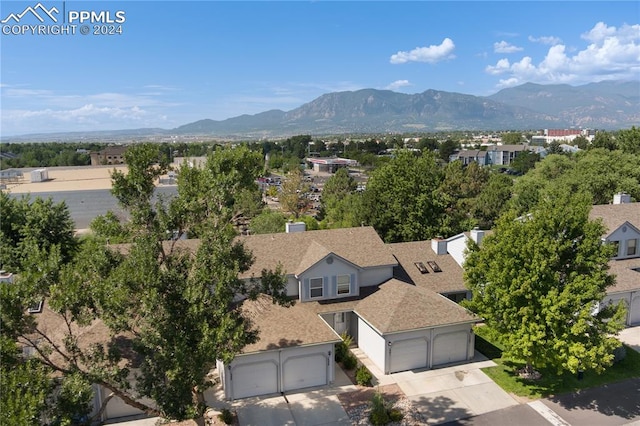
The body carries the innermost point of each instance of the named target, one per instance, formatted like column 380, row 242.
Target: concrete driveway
column 631, row 337
column 312, row 407
column 441, row 395
column 450, row 393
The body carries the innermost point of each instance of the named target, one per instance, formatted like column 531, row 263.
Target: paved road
column 609, row 405
column 85, row 205
column 612, row 404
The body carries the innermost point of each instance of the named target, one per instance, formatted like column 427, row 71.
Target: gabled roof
column 615, row 215
column 627, row 273
column 397, row 306
column 450, row 280
column 300, row 250
column 281, row 327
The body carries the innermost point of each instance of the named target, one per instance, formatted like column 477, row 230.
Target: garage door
column 634, row 310
column 251, row 379
column 305, row 371
column 450, row 347
column 408, row 354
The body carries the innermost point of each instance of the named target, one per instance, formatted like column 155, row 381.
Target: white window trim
column 635, row 247
column 348, row 285
column 311, row 288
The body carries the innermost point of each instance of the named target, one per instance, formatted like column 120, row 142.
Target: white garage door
column 634, row 310
column 408, row 354
column 305, row 371
column 450, row 347
column 251, row 379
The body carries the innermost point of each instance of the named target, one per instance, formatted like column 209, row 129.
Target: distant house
column 500, row 155
column 109, row 155
column 622, row 220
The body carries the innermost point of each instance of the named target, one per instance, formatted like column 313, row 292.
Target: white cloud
column 545, row 40
column 505, row 47
column 431, row 54
column 398, row 84
column 613, row 53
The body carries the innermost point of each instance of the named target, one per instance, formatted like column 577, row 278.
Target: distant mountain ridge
column 605, row 105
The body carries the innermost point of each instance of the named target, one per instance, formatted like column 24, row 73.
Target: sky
column 169, row 63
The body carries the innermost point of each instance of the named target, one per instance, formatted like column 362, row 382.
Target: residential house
column 348, row 280
column 622, row 221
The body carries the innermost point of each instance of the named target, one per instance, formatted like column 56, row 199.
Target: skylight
column 434, row 266
column 423, row 269
column 36, row 307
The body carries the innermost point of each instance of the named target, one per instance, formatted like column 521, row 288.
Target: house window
column 616, row 245
column 344, row 284
column 316, row 286
column 632, row 247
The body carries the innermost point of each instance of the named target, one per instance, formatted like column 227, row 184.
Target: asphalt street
column 85, row 205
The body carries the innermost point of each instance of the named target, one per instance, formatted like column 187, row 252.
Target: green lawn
column 551, row 383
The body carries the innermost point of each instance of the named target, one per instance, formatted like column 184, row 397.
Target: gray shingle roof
column 397, row 306
column 298, row 251
column 627, row 272
column 614, row 215
column 450, row 280
column 281, row 327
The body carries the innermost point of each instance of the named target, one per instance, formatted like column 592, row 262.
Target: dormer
column 331, row 278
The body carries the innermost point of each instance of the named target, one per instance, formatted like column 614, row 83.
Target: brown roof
column 300, row 250
column 398, row 306
column 450, row 280
column 614, row 215
column 627, row 272
column 281, row 327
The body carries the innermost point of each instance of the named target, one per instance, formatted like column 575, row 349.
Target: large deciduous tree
column 536, row 280
column 402, row 200
column 150, row 318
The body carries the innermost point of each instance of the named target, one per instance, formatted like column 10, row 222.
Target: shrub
column 395, row 415
column 363, row 376
column 226, row 416
column 342, row 348
column 350, row 361
column 379, row 414
column 619, row 354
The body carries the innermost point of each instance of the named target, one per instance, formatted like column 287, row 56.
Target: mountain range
column 607, row 105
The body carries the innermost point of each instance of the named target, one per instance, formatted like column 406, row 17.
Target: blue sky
column 178, row 62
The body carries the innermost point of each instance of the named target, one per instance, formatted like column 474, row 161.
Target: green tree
column 294, row 196
column 402, row 201
column 27, row 222
column 629, row 140
column 492, row 200
column 268, row 222
column 337, row 187
column 511, row 138
column 169, row 308
column 581, row 142
column 446, row 149
column 525, row 161
column 536, row 280
column 604, row 140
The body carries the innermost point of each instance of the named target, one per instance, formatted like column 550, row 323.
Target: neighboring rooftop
column 614, row 215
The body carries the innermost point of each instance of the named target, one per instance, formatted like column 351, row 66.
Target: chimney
column 477, row 235
column 291, row 227
column 439, row 245
column 621, row 198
